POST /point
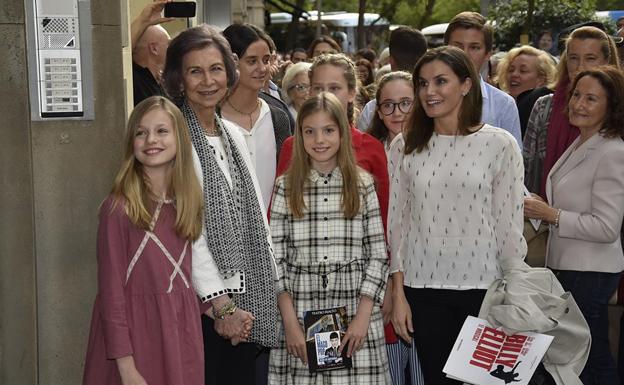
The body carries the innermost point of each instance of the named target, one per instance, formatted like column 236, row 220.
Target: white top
column 207, row 280
column 218, row 150
column 262, row 150
column 394, row 154
column 458, row 206
column 366, row 115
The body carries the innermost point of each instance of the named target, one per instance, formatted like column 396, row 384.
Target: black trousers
column 243, row 364
column 437, row 316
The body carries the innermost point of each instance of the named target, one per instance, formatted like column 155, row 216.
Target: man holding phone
column 149, row 48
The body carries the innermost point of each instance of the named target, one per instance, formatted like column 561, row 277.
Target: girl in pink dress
column 145, row 327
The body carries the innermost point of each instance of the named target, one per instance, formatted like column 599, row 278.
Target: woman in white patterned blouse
column 457, row 201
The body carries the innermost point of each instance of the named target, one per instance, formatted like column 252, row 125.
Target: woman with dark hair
column 366, row 73
column 233, row 262
column 585, row 190
column 323, row 45
column 545, row 41
column 264, row 127
column 367, row 88
column 457, row 204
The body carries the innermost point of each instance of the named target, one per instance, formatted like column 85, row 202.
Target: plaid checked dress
column 350, row 254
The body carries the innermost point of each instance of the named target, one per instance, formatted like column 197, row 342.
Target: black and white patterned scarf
column 236, row 232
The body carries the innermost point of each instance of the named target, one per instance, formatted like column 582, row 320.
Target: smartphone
column 180, row 9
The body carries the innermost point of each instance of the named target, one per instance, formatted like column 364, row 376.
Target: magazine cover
column 324, row 330
column 487, row 356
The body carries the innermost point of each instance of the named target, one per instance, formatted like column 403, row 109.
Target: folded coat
column 532, row 300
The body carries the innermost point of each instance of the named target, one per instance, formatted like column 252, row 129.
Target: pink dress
column 146, row 306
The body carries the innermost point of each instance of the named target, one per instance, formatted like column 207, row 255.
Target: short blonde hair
column 291, row 73
column 545, row 66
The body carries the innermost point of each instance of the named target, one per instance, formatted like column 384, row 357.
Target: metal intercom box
column 59, row 60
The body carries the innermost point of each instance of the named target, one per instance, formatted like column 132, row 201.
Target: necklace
column 214, row 131
column 249, row 114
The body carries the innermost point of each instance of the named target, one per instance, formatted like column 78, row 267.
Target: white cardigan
column 207, row 280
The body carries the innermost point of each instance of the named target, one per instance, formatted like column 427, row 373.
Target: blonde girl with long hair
column 146, row 308
column 330, row 249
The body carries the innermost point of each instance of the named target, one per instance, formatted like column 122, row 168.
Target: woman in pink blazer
column 585, row 190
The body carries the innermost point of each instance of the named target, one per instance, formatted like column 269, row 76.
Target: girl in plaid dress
column 330, row 249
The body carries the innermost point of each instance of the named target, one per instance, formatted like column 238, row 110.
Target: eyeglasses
column 301, row 87
column 387, row 108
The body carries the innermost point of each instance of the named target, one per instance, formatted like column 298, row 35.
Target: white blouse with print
column 458, row 207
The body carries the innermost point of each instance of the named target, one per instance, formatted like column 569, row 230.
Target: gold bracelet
column 556, row 222
column 226, row 310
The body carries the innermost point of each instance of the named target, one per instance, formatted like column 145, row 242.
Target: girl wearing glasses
column 295, row 86
column 395, row 93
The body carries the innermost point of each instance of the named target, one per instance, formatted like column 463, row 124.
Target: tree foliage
column 508, row 17
column 413, row 12
column 605, row 5
column 405, row 12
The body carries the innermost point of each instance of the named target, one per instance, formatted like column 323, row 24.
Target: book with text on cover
column 484, row 355
column 324, row 330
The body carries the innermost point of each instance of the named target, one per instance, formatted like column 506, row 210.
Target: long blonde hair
column 299, row 169
column 131, row 187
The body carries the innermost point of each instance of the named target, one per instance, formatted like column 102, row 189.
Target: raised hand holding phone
column 180, row 9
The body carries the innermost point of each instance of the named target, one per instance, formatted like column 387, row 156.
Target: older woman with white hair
column 295, row 86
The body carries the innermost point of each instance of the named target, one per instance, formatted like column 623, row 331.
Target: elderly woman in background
column 526, row 73
column 585, row 190
column 233, row 257
column 295, row 86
